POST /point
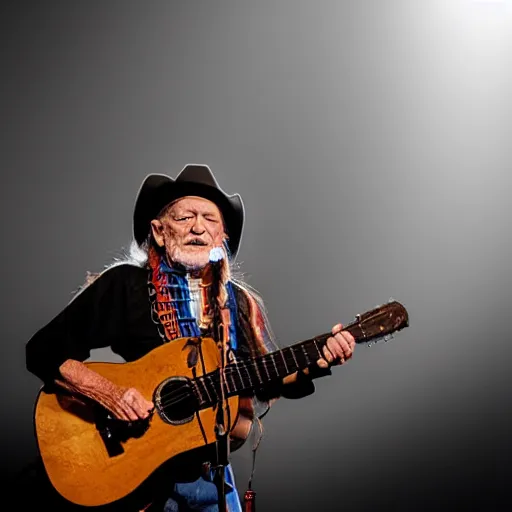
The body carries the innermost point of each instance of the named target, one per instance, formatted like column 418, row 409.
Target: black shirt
column 113, row 311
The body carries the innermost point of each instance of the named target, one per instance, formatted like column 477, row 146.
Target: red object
column 250, row 501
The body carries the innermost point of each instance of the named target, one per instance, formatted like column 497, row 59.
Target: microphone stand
column 222, row 436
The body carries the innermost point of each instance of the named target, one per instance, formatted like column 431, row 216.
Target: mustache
column 196, row 241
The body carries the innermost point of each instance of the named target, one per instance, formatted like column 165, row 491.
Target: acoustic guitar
column 93, row 459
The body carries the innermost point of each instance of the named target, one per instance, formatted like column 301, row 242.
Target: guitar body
column 74, row 453
column 94, row 460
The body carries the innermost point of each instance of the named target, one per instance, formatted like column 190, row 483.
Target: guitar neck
column 262, row 371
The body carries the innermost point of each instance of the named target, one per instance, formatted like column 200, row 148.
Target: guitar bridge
column 114, row 432
column 106, row 428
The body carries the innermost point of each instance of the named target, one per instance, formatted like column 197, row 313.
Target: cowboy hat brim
column 158, row 190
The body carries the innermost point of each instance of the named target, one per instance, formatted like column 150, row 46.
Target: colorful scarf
column 171, row 303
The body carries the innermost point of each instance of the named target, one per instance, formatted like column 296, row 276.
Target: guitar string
column 175, row 396
column 252, row 364
column 178, row 395
column 234, row 368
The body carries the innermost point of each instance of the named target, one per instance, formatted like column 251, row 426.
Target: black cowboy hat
column 158, row 190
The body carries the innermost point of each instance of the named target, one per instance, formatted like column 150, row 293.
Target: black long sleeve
column 93, row 319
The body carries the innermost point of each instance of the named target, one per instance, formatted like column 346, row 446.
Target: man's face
column 189, row 229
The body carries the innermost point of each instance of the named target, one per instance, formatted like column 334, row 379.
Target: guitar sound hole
column 175, row 400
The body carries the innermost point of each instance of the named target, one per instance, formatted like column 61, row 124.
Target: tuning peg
column 388, row 337
column 391, row 299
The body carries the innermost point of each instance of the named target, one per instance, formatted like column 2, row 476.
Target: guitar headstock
column 379, row 323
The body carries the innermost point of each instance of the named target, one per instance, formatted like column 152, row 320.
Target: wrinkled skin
column 188, row 230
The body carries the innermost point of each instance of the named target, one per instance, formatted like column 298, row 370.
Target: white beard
column 195, row 260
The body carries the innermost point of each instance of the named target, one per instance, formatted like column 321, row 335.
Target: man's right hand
column 124, row 403
column 130, row 405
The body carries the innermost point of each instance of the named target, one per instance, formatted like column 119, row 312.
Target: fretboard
column 258, row 373
column 262, row 371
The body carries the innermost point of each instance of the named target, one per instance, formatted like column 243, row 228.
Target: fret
column 243, row 383
column 291, row 362
column 228, row 374
column 213, row 384
column 202, row 381
column 263, row 362
column 198, row 391
column 254, row 364
column 318, row 349
column 294, row 358
column 271, row 355
column 244, row 367
column 284, row 362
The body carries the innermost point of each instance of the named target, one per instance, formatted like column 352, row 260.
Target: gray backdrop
column 371, row 142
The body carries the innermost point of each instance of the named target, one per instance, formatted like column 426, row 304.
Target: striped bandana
column 175, row 296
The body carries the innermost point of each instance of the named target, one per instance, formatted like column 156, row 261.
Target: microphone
column 216, row 254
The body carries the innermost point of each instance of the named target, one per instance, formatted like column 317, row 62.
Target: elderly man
column 170, row 293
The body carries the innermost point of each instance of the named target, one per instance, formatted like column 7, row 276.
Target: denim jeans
column 202, row 496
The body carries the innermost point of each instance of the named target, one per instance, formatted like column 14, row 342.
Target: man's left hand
column 338, row 349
